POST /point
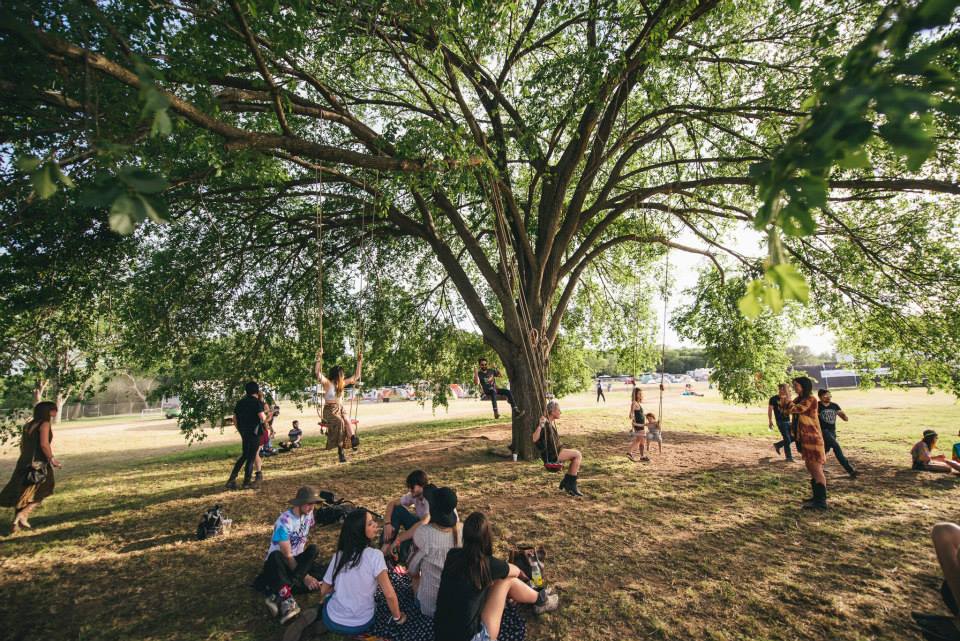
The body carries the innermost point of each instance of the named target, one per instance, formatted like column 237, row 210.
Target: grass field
column 705, row 542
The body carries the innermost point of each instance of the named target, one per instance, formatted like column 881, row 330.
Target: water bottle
column 536, row 577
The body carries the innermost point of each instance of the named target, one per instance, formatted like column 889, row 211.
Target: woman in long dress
column 35, row 454
column 340, row 433
column 810, row 439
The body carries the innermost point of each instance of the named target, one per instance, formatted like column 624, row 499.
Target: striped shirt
column 432, row 547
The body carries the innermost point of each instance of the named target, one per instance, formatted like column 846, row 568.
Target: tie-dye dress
column 808, row 429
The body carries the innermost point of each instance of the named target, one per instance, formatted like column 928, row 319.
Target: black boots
column 819, row 500
column 569, row 484
column 341, row 455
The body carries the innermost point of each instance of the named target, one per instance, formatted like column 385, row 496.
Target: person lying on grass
column 925, row 460
column 547, row 441
column 638, row 441
column 475, row 587
column 653, row 432
column 400, row 517
column 290, row 562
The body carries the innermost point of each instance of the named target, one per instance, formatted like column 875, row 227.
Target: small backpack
column 211, row 524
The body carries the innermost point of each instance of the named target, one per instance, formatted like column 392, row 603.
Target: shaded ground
column 704, row 542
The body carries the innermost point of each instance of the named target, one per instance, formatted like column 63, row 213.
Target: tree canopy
column 492, row 164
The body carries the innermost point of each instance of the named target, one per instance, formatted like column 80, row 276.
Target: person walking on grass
column 777, row 411
column 810, row 438
column 248, row 418
column 828, row 411
column 925, row 461
column 600, row 392
column 32, row 478
column 340, row 432
column 547, row 441
column 290, row 565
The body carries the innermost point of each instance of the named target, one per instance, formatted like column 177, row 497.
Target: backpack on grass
column 212, row 523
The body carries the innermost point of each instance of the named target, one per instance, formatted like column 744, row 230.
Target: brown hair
column 41, row 415
column 338, row 379
column 637, row 390
column 477, row 546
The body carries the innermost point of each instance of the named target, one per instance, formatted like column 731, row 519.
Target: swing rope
column 663, row 344
column 532, row 340
column 318, row 287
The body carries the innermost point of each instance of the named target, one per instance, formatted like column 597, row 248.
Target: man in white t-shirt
column 290, row 563
column 400, row 517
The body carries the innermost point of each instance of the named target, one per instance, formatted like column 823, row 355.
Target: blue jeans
column 784, row 427
column 336, row 628
column 402, row 517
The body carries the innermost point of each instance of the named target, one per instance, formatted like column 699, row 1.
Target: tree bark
column 61, row 400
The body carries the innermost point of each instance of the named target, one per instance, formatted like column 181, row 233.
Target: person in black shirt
column 828, row 413
column 486, row 378
column 475, row 586
column 777, row 410
column 600, row 393
column 248, row 418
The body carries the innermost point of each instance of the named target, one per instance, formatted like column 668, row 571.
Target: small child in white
column 653, row 432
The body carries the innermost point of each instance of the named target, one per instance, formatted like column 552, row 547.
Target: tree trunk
column 39, row 389
column 61, row 399
column 527, row 395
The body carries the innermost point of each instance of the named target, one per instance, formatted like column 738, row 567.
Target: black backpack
column 211, row 524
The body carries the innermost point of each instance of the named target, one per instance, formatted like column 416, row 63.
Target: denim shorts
column 336, row 628
column 482, row 635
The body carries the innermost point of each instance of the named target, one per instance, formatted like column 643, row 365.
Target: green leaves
column 129, row 209
column 44, row 176
column 878, row 90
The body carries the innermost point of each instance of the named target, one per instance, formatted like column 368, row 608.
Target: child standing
column 653, row 432
column 639, row 437
column 828, row 412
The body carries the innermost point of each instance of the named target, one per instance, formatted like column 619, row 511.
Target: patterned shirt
column 432, row 547
column 292, row 528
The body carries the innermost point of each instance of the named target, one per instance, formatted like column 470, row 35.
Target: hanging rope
column 533, row 341
column 318, row 287
column 663, row 344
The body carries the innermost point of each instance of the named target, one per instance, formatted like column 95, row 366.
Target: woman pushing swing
column 340, row 432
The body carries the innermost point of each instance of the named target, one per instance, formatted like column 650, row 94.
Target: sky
column 684, row 267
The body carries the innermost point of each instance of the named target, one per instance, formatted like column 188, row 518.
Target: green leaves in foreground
column 779, row 283
column 886, row 78
column 44, row 176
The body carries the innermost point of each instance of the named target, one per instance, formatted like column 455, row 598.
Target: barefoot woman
column 35, row 456
column 339, row 428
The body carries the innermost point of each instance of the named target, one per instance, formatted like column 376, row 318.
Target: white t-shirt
column 352, row 603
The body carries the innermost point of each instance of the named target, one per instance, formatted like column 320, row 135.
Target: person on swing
column 340, row 433
column 486, row 378
column 547, row 441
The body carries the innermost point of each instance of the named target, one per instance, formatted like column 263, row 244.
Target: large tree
column 517, row 145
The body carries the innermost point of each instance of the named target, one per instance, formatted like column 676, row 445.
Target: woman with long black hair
column 352, row 578
column 339, row 428
column 810, row 439
column 475, row 586
column 32, row 479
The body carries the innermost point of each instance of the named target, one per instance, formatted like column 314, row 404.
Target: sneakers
column 550, row 603
column 299, row 628
column 288, row 609
column 273, row 604
column 518, row 411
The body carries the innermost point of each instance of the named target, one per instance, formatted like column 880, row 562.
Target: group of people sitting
column 448, row 564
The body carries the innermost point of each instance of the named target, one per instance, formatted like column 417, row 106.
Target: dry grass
column 705, row 542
